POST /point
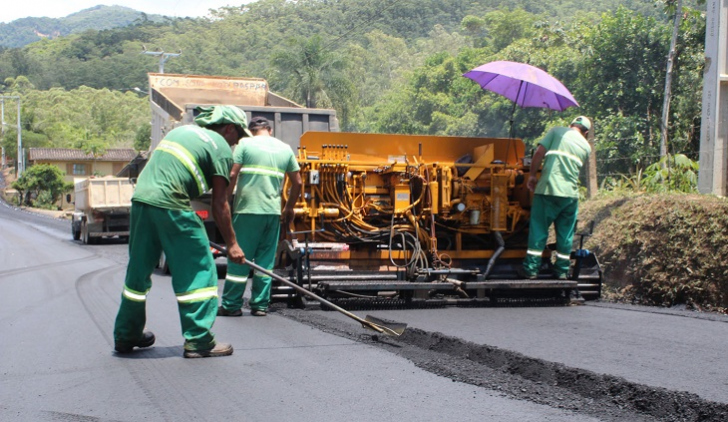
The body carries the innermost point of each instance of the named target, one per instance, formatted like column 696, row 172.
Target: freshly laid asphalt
column 57, row 308
column 59, row 299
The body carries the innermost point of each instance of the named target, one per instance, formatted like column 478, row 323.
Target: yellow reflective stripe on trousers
column 567, row 155
column 562, row 256
column 236, row 278
column 197, row 295
column 535, row 253
column 134, row 295
column 184, row 156
column 265, row 171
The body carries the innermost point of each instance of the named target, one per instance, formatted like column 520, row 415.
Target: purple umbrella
column 525, row 85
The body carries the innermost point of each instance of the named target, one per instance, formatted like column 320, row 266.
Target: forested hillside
column 397, row 65
column 21, row 32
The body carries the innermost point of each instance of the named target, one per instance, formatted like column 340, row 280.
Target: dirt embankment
column 663, row 250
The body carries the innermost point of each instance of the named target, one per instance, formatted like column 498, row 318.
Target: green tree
column 314, row 74
column 504, row 27
column 621, row 86
column 42, row 185
column 143, row 138
column 674, row 8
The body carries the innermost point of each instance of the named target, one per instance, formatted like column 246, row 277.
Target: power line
column 391, row 3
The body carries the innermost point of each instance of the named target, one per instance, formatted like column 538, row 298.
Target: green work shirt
column 264, row 162
column 182, row 166
column 566, row 153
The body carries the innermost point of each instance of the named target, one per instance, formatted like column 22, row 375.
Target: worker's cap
column 259, row 122
column 222, row 115
column 582, row 120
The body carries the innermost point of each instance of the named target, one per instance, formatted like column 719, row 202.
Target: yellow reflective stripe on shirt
column 567, row 155
column 184, row 156
column 197, row 295
column 265, row 171
column 134, row 295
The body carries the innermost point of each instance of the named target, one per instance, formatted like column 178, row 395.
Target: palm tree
column 314, row 74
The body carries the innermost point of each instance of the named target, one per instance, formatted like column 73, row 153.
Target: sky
column 14, row 9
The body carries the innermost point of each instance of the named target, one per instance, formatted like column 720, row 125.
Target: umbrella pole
column 511, row 134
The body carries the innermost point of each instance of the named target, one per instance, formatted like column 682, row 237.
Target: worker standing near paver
column 187, row 162
column 563, row 150
column 261, row 163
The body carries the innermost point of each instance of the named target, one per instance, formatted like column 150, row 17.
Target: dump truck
column 174, row 99
column 102, row 208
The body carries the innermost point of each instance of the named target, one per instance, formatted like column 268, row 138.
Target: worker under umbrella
column 563, row 150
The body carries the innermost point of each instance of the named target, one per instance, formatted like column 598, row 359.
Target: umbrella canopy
column 525, row 85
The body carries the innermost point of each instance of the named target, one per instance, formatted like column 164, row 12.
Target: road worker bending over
column 261, row 163
column 188, row 161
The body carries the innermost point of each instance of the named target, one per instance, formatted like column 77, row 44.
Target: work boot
column 220, row 349
column 146, row 341
column 575, row 297
column 522, row 273
column 258, row 312
column 224, row 312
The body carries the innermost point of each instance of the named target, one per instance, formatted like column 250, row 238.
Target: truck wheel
column 75, row 231
column 84, row 233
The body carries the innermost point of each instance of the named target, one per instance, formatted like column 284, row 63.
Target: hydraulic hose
column 501, row 247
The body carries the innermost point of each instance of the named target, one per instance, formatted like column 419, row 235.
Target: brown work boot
column 258, row 312
column 127, row 347
column 220, row 349
column 224, row 312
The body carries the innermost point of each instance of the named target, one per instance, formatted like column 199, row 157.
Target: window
column 79, row 169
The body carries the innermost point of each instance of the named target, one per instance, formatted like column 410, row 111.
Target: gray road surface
column 57, row 307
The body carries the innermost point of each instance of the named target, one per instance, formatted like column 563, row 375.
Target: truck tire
column 85, row 237
column 75, row 231
column 84, row 233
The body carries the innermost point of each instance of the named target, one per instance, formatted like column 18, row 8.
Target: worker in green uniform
column 187, row 162
column 260, row 164
column 556, row 194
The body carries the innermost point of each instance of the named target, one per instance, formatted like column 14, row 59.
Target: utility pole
column 713, row 175
column 20, row 161
column 163, row 57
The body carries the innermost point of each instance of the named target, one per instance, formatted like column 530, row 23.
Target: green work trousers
column 258, row 237
column 547, row 210
column 182, row 237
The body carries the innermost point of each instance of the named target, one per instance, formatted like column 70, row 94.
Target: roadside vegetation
column 667, row 249
column 41, row 186
column 387, row 66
